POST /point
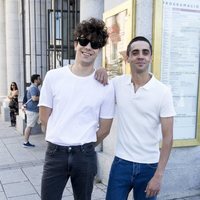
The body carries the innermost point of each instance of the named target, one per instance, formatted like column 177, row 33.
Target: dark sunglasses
column 84, row 42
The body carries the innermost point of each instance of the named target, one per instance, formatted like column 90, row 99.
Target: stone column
column 144, row 18
column 92, row 8
column 3, row 76
column 12, row 42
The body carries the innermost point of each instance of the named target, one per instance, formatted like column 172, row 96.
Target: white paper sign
column 180, row 61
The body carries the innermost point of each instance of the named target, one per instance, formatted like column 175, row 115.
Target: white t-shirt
column 77, row 104
column 139, row 118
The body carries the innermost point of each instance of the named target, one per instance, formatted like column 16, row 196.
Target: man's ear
column 151, row 61
column 127, row 59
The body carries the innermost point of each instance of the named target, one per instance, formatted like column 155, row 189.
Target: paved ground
column 21, row 168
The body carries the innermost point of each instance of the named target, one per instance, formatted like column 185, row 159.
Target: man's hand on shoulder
column 101, row 76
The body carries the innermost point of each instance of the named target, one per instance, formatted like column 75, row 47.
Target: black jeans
column 77, row 162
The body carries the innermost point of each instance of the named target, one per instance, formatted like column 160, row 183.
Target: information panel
column 180, row 61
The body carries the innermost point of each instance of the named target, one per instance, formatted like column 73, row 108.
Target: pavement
column 21, row 168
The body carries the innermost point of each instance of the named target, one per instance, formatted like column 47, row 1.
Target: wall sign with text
column 176, row 61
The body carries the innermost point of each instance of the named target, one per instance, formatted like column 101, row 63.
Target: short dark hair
column 93, row 27
column 138, row 38
column 34, row 77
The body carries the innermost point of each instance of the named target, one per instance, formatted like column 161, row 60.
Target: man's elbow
column 44, row 113
column 106, row 132
column 168, row 140
column 42, row 120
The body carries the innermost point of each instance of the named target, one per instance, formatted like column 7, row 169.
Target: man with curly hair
column 77, row 112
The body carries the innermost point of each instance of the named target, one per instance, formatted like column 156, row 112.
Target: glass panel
column 67, row 29
column 180, row 62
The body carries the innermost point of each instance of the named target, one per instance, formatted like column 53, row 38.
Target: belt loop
column 55, row 147
column 82, row 148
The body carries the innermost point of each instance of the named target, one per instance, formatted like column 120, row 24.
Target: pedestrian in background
column 32, row 109
column 13, row 103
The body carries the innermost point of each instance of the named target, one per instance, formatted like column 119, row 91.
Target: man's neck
column 35, row 84
column 140, row 80
column 81, row 70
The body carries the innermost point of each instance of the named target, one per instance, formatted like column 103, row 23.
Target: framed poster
column 120, row 22
column 176, row 61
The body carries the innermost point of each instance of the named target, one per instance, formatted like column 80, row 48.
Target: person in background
column 144, row 105
column 32, row 109
column 77, row 112
column 13, row 104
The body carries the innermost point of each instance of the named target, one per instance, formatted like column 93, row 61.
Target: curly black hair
column 94, row 29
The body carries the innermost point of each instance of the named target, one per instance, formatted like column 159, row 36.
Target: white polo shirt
column 77, row 104
column 139, row 118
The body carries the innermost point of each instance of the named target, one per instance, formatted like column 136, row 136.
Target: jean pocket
column 51, row 150
column 116, row 160
column 89, row 150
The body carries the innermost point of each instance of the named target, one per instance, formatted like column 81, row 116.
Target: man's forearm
column 44, row 113
column 154, row 185
column 164, row 156
column 100, row 136
column 167, row 141
column 104, row 130
column 35, row 98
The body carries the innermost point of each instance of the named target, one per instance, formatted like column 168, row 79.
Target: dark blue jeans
column 79, row 163
column 126, row 175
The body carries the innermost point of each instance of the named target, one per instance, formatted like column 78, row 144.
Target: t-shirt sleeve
column 108, row 106
column 167, row 106
column 46, row 95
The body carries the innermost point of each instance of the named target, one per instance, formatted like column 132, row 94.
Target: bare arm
column 10, row 96
column 154, row 185
column 35, row 98
column 13, row 94
column 44, row 113
column 104, row 129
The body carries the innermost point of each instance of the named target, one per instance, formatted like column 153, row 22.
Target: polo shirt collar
column 147, row 86
column 150, row 83
column 128, row 80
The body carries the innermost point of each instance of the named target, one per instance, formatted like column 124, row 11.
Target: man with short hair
column 32, row 109
column 77, row 112
column 143, row 104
